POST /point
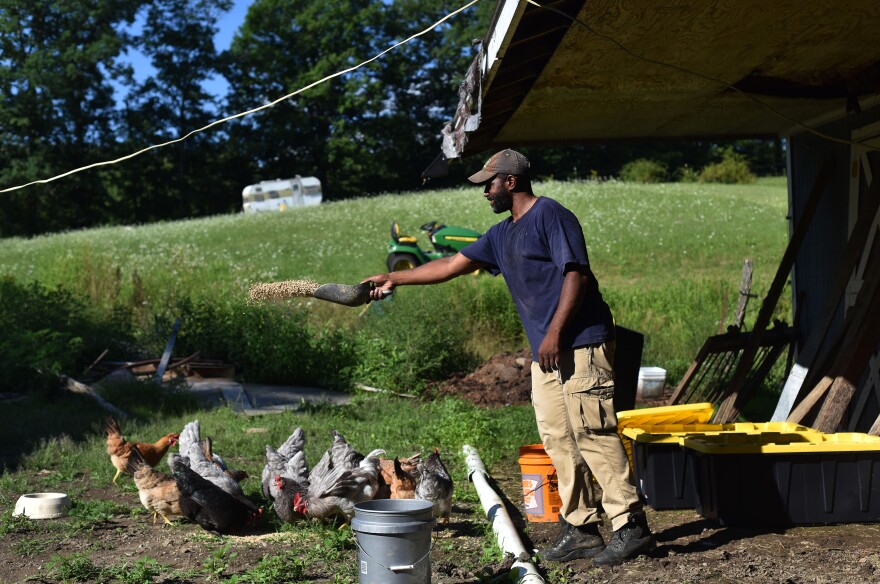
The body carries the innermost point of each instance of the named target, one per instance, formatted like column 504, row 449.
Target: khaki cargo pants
column 578, row 427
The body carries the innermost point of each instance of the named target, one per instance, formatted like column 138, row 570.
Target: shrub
column 402, row 345
column 50, row 332
column 733, row 169
column 643, row 170
column 686, row 174
column 268, row 343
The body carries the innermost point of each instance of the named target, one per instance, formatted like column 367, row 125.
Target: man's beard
column 503, row 201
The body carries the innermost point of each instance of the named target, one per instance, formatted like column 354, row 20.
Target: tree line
column 69, row 98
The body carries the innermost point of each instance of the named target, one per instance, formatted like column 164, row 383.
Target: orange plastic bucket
column 540, row 488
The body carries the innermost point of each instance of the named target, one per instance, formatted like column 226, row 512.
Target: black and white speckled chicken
column 288, row 462
column 192, row 447
column 341, row 479
column 435, row 485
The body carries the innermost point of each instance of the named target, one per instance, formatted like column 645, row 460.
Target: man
column 541, row 253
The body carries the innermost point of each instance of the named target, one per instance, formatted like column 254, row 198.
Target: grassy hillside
column 665, row 255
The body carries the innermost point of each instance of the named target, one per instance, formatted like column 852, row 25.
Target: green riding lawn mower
column 404, row 252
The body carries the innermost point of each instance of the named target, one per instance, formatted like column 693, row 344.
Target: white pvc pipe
column 508, row 537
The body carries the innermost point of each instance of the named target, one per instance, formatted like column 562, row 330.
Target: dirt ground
column 690, row 548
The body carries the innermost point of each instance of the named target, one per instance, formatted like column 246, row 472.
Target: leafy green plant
column 141, row 571
column 643, row 171
column 76, row 567
column 287, row 566
column 217, row 562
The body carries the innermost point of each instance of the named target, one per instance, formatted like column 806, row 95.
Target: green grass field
column 665, row 256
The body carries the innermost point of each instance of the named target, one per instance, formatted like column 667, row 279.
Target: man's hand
column 383, row 286
column 548, row 353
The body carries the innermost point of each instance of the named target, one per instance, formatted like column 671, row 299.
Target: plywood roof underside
column 560, row 82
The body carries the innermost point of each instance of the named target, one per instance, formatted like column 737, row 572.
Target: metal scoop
column 345, row 294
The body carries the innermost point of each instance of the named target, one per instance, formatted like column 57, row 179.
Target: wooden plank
column 738, row 394
column 809, row 402
column 715, row 359
column 847, row 263
column 75, row 386
column 856, row 354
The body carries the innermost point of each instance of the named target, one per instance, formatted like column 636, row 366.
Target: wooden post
column 745, row 292
column 738, row 393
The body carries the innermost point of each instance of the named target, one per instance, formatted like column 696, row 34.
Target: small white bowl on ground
column 43, row 505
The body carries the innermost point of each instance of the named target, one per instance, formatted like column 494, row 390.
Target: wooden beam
column 75, row 386
column 856, row 354
column 738, row 393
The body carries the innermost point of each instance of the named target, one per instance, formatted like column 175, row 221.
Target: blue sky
column 227, row 25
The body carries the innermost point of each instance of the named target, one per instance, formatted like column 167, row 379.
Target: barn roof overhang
column 572, row 71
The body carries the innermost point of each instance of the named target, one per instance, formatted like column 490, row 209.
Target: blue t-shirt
column 532, row 254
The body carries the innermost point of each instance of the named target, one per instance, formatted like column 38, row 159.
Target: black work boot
column 574, row 542
column 632, row 539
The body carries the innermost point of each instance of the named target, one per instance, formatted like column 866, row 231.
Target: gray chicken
column 341, row 479
column 288, row 462
column 435, row 485
column 193, row 450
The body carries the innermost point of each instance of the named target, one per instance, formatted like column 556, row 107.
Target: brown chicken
column 397, row 479
column 435, row 485
column 119, row 448
column 158, row 491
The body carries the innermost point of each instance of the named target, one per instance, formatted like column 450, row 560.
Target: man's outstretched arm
column 434, row 272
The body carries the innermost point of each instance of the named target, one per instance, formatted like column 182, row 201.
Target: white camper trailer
column 281, row 194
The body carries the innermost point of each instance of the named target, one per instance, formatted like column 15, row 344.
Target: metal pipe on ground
column 508, row 538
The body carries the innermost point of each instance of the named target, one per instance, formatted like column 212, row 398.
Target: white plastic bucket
column 394, row 541
column 652, row 380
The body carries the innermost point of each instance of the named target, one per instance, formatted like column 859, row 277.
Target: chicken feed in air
column 263, row 291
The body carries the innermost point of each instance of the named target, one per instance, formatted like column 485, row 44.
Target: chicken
column 207, row 504
column 208, row 448
column 191, row 447
column 119, row 448
column 435, row 485
column 288, row 462
column 157, row 491
column 341, row 479
column 396, row 478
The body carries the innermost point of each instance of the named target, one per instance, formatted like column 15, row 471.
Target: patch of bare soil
column 505, row 379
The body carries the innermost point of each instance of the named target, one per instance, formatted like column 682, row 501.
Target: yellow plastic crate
column 780, row 443
column 787, row 479
column 664, row 469
column 671, row 433
column 681, row 414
